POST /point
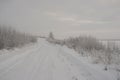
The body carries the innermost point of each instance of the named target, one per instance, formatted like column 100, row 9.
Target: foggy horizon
column 65, row 18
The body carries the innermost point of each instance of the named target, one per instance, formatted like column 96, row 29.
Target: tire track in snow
column 37, row 72
column 60, row 69
column 73, row 70
column 17, row 60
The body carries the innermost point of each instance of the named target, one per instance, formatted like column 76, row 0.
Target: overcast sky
column 100, row 18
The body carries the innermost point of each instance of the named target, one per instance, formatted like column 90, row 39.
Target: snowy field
column 117, row 43
column 45, row 61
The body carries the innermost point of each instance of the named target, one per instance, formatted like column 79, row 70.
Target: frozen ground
column 45, row 61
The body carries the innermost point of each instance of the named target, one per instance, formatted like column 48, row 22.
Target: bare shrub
column 10, row 38
column 84, row 42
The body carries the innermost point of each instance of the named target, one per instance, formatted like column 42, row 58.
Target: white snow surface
column 45, row 61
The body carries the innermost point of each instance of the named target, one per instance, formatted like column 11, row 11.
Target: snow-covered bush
column 10, row 38
column 84, row 42
column 90, row 46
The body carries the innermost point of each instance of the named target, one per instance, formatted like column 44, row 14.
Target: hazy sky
column 64, row 18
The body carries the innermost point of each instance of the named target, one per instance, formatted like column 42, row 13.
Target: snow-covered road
column 45, row 61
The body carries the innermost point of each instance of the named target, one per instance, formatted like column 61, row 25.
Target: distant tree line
column 78, row 43
column 10, row 38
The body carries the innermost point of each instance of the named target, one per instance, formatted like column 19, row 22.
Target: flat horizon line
column 109, row 39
